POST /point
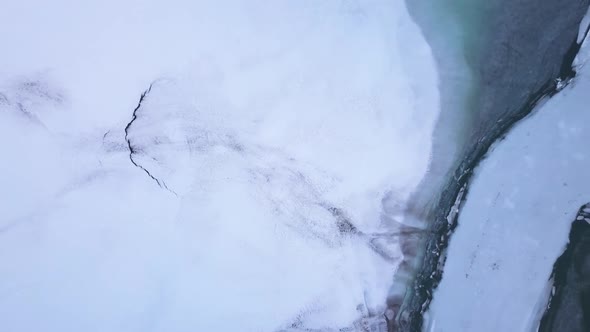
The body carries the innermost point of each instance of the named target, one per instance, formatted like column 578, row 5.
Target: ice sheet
column 276, row 127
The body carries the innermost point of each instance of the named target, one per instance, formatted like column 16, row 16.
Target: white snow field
column 517, row 217
column 252, row 199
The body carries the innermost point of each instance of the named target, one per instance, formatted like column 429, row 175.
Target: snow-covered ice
column 271, row 133
column 516, row 219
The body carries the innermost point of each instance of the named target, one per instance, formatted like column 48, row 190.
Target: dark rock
column 569, row 307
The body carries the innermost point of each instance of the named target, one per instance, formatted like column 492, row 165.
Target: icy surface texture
column 207, row 165
column 516, row 219
column 516, row 53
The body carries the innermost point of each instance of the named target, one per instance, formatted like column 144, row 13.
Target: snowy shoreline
column 492, row 126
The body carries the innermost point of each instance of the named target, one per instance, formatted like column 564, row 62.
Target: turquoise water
column 454, row 29
column 490, row 77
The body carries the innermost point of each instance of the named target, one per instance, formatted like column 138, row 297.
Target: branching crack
column 133, row 150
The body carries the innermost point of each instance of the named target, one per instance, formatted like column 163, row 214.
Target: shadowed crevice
column 133, row 150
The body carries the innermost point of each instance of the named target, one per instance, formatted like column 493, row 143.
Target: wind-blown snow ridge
column 132, row 150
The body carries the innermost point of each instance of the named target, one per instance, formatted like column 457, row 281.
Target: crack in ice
column 132, row 150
